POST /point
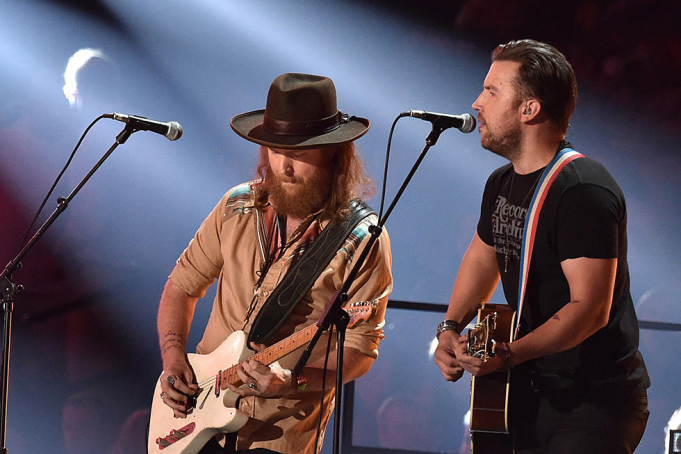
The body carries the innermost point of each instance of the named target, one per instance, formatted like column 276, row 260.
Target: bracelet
column 447, row 325
column 301, row 381
column 507, row 356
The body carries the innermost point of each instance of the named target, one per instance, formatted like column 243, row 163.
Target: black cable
column 387, row 158
column 54, row 185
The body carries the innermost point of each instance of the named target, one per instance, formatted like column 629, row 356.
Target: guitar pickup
column 218, row 382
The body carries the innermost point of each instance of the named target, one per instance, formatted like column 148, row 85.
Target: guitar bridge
column 174, row 436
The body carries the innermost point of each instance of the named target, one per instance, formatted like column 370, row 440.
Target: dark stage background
column 84, row 352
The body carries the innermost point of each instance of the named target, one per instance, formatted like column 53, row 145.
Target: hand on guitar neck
column 262, row 380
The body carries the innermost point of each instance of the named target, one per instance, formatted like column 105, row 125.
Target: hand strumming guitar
column 452, row 357
column 476, row 366
column 446, row 356
column 178, row 383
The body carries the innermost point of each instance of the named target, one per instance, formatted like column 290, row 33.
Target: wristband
column 447, row 325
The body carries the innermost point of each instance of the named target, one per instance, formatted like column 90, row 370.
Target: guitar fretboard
column 271, row 354
column 363, row 310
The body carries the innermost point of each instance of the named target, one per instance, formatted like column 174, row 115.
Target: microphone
column 172, row 130
column 464, row 123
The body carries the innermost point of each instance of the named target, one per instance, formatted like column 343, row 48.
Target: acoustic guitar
column 489, row 393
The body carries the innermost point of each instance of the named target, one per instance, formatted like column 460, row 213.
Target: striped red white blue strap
column 565, row 156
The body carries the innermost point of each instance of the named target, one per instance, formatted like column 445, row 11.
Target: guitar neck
column 271, row 354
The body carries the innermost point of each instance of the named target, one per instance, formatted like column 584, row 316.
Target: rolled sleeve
column 201, row 262
column 373, row 284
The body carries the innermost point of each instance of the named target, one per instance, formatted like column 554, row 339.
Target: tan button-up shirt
column 232, row 245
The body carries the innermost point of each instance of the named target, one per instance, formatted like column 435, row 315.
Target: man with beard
column 577, row 381
column 308, row 172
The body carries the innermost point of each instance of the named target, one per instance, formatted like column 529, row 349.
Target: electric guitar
column 489, row 393
column 213, row 407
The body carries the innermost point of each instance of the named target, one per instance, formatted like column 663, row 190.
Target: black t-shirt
column 584, row 215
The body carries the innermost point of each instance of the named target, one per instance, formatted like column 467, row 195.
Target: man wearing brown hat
column 309, row 173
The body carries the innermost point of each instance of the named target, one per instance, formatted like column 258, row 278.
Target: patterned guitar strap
column 299, row 279
column 564, row 157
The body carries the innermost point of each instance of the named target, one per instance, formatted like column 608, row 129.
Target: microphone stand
column 334, row 314
column 8, row 290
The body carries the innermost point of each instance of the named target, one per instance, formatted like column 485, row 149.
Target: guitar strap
column 562, row 158
column 304, row 273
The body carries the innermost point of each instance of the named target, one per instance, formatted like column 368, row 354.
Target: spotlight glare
column 431, row 348
column 75, row 63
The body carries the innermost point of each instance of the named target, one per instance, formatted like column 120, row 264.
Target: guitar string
column 264, row 353
column 209, row 380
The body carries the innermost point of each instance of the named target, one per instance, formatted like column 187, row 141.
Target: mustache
column 272, row 179
column 292, row 180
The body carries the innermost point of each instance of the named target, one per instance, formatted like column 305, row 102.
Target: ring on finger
column 163, row 394
column 253, row 385
column 171, row 380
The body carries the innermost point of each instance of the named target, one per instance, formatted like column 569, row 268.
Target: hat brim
column 249, row 126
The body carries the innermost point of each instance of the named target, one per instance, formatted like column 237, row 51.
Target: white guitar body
column 214, row 412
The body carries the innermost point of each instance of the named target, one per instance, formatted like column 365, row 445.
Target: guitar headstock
column 481, row 343
column 361, row 310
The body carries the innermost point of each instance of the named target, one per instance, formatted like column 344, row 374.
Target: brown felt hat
column 301, row 112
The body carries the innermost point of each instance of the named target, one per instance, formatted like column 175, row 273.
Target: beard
column 506, row 145
column 304, row 197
